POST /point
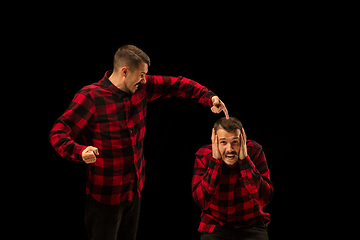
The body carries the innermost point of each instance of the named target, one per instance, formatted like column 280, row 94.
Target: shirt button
column 131, row 131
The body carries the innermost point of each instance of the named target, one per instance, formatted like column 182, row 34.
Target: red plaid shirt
column 114, row 122
column 232, row 195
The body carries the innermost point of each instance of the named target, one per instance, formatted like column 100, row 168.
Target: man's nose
column 143, row 80
column 229, row 147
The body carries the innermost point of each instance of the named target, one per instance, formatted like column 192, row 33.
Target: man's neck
column 119, row 83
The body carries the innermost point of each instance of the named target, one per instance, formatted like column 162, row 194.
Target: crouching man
column 231, row 184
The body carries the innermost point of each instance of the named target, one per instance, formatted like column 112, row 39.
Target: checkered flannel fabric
column 114, row 122
column 231, row 195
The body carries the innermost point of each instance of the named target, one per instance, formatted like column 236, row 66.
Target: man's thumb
column 95, row 150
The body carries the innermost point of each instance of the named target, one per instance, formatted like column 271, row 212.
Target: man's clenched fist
column 88, row 155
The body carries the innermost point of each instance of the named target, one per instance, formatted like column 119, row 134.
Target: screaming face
column 136, row 78
column 229, row 145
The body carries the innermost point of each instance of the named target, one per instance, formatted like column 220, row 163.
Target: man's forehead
column 144, row 67
column 228, row 135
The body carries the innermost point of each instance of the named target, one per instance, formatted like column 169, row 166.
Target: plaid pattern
column 231, row 195
column 114, row 122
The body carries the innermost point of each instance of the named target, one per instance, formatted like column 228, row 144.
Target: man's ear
column 124, row 71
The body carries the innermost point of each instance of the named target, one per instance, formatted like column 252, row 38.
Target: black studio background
column 258, row 75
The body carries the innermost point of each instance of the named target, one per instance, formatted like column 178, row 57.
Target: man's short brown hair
column 228, row 125
column 131, row 56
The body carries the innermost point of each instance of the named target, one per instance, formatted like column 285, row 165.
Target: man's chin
column 230, row 161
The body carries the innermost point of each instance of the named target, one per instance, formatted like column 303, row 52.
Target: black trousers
column 112, row 222
column 223, row 233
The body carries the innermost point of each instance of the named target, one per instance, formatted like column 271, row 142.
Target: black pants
column 112, row 222
column 223, row 233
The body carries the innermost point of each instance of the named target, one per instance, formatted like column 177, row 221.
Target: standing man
column 231, row 185
column 110, row 115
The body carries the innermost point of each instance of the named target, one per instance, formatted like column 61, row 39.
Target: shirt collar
column 105, row 81
column 235, row 168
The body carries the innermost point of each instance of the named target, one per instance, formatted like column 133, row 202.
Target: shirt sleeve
column 70, row 124
column 165, row 87
column 256, row 175
column 206, row 178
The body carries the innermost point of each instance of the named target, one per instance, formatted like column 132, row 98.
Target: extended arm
column 165, row 87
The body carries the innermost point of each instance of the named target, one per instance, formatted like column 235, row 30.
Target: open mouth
column 230, row 156
column 138, row 84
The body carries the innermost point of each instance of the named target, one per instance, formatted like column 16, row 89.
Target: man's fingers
column 94, row 149
column 213, row 135
column 226, row 112
column 216, row 141
column 219, row 106
column 214, row 138
column 215, row 100
column 243, row 138
column 88, row 154
column 218, row 110
column 223, row 108
column 215, row 109
column 243, row 132
column 215, row 145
